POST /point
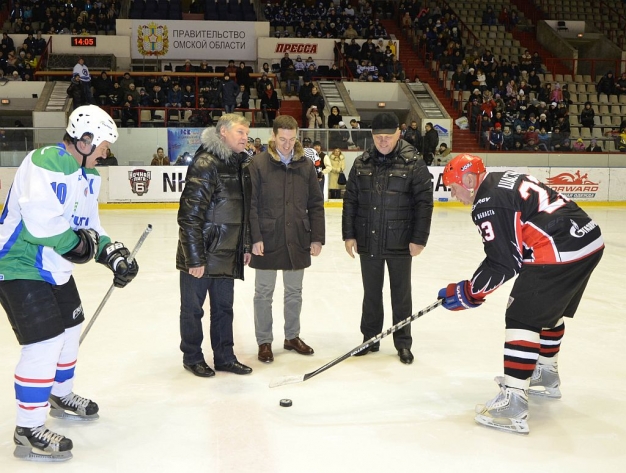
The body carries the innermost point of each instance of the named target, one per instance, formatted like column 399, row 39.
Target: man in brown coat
column 287, row 228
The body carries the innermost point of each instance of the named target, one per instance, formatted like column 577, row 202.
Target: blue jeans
column 193, row 293
column 230, row 108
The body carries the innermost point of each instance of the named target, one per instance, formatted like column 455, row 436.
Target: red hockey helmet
column 461, row 165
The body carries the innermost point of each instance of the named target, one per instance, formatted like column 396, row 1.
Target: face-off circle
column 285, row 403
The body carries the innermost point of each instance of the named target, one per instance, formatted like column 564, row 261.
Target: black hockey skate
column 73, row 407
column 41, row 445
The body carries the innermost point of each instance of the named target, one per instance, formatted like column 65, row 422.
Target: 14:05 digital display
column 83, row 41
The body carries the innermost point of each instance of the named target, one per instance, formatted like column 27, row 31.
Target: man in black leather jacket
column 214, row 243
column 387, row 210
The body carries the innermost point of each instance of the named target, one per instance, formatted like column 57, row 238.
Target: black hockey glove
column 115, row 257
column 87, row 242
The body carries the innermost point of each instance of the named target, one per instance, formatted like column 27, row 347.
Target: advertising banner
column 586, row 184
column 187, row 39
column 183, row 143
column 146, row 183
column 320, row 49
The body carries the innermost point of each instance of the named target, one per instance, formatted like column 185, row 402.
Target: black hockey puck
column 285, row 403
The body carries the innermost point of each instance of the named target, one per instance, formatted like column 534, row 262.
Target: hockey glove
column 88, row 240
column 115, row 257
column 457, row 297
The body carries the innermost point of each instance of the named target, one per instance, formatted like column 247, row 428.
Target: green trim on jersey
column 104, row 241
column 48, row 158
column 60, row 243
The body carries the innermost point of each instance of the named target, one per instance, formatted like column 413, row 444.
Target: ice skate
column 73, row 407
column 545, row 382
column 41, row 445
column 508, row 411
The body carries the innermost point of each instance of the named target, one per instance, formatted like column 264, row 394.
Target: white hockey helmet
column 92, row 120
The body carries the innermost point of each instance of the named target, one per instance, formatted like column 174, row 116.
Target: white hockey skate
column 545, row 382
column 508, row 411
column 41, row 445
column 73, row 407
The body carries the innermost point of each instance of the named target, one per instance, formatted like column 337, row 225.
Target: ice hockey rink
column 370, row 413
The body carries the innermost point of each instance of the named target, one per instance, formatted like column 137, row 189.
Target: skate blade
column 27, row 453
column 504, row 424
column 61, row 414
column 541, row 391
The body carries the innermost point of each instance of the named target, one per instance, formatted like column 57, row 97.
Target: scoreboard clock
column 81, row 41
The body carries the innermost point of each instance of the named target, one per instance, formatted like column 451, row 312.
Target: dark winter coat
column 213, row 211
column 229, row 91
column 77, row 93
column 286, row 211
column 388, row 202
column 431, row 141
column 414, row 136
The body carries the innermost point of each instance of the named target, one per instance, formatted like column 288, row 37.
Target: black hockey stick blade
column 282, row 381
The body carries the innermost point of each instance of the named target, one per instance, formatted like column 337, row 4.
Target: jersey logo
column 578, row 232
column 481, row 201
column 77, row 312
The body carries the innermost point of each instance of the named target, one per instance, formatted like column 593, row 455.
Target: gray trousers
column 264, row 284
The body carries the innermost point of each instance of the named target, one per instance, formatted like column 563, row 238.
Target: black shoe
column 235, row 367
column 200, row 369
column 372, row 348
column 406, row 356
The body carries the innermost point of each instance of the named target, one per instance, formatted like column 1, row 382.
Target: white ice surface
column 369, row 413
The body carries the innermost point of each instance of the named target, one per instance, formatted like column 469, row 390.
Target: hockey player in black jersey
column 552, row 246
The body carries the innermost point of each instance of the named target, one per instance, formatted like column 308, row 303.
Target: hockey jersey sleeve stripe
column 11, row 241
column 44, row 274
column 571, row 256
column 518, row 232
column 5, row 210
column 61, row 243
column 542, row 244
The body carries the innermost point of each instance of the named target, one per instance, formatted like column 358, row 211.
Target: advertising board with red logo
column 581, row 184
column 321, row 50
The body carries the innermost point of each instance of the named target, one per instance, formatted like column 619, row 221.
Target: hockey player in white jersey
column 552, row 246
column 49, row 223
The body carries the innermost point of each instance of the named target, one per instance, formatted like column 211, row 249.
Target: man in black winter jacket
column 387, row 210
column 214, row 243
column 431, row 141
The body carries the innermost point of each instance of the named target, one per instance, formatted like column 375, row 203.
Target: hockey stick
column 300, row 378
column 143, row 237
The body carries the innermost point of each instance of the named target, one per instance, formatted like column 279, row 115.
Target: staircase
column 58, row 97
column 528, row 38
column 292, row 106
column 462, row 140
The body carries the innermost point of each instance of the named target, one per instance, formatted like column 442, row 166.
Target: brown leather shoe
column 265, row 353
column 299, row 346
